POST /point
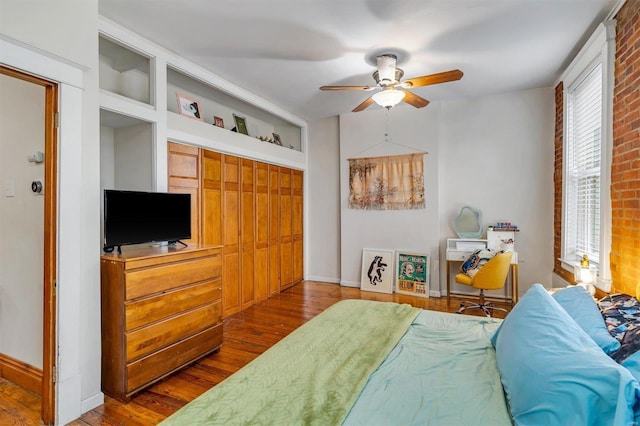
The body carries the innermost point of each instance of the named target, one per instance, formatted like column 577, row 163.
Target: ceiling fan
column 388, row 77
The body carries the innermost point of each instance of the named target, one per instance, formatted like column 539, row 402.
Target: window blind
column 583, row 166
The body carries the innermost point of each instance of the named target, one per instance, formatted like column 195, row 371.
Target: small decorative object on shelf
column 241, row 124
column 265, row 139
column 218, row 121
column 504, row 226
column 276, row 139
column 189, row 107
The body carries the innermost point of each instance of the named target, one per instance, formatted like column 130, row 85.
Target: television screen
column 134, row 217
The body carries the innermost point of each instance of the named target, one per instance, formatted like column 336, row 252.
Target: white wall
column 323, row 201
column 107, row 158
column 63, row 33
column 21, row 221
column 363, row 134
column 133, row 169
column 496, row 155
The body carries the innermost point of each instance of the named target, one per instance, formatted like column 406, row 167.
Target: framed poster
column 377, row 271
column 412, row 273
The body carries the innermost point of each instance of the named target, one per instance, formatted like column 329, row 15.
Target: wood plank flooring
column 246, row 335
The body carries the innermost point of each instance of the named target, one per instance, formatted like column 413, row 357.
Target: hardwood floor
column 246, row 335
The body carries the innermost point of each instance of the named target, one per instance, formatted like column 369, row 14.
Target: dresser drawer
column 155, row 366
column 458, row 256
column 145, row 340
column 143, row 282
column 162, row 305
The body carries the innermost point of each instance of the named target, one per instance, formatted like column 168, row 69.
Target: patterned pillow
column 477, row 260
column 621, row 314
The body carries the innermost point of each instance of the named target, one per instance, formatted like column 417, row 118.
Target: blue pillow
column 583, row 309
column 554, row 373
column 632, row 364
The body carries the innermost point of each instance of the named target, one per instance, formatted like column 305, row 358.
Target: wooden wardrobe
column 252, row 209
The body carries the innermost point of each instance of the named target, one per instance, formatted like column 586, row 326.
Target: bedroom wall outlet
column 9, row 188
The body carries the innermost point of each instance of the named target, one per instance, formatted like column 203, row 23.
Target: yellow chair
column 491, row 276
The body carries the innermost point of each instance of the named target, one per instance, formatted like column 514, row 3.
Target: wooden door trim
column 50, row 239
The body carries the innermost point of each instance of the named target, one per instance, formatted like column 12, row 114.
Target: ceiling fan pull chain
column 386, row 125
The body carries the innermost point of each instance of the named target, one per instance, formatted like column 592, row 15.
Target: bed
column 380, row 363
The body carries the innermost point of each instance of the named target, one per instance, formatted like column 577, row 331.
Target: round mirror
column 467, row 223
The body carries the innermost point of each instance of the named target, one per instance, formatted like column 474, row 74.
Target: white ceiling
column 284, row 50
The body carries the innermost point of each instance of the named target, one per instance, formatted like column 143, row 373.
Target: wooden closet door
column 286, row 255
column 261, row 276
column 297, row 224
column 274, row 229
column 247, row 233
column 184, row 178
column 231, row 235
column 211, row 196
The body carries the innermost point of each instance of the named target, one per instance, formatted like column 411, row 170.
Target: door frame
column 50, row 239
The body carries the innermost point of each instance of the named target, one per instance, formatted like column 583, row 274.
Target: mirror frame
column 468, row 234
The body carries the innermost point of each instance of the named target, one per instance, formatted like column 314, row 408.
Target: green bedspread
column 313, row 376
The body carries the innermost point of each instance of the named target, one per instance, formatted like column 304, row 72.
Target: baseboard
column 350, row 283
column 92, row 402
column 324, row 279
column 21, row 373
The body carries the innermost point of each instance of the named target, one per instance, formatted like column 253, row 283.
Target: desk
column 459, row 250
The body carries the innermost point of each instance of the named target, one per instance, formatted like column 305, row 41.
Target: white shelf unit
column 124, row 71
column 139, row 81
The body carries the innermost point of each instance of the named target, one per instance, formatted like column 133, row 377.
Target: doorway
column 28, row 218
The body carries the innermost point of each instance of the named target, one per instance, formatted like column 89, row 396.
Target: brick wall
column 557, row 185
column 625, row 168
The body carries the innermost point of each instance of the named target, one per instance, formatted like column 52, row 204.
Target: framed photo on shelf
column 218, row 121
column 377, row 271
column 241, row 124
column 276, row 139
column 412, row 273
column 189, row 107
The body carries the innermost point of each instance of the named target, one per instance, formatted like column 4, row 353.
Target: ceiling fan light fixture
column 388, row 98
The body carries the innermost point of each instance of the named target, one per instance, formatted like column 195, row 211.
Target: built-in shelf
column 139, row 81
column 124, row 71
column 180, row 129
column 215, row 102
column 126, row 147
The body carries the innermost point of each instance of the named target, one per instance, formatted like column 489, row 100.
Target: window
column 583, row 159
column 588, row 135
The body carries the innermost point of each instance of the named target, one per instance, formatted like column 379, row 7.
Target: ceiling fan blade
column 415, row 100
column 366, row 88
column 427, row 80
column 363, row 105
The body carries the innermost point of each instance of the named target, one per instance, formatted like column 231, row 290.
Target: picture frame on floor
column 377, row 270
column 412, row 273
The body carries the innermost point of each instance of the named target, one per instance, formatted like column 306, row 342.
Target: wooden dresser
column 161, row 310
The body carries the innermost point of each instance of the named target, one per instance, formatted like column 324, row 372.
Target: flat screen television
column 136, row 217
